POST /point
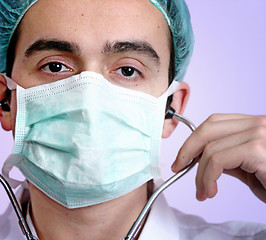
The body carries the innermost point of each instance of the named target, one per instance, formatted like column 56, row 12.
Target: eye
column 55, row 67
column 128, row 71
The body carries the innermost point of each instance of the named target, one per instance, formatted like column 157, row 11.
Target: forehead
column 99, row 20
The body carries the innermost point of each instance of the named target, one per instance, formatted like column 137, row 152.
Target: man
column 127, row 43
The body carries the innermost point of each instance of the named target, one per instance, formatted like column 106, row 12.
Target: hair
column 11, row 51
column 172, row 67
column 11, row 57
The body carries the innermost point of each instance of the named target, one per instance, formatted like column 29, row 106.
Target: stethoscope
column 138, row 223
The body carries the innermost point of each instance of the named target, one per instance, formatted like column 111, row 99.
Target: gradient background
column 227, row 75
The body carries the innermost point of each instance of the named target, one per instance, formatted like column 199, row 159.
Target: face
column 126, row 41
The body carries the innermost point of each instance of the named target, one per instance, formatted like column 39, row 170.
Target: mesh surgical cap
column 175, row 12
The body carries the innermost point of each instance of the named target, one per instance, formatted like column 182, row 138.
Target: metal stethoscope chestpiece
column 137, row 224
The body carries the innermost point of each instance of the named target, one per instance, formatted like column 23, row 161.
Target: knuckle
column 208, row 150
column 260, row 121
column 259, row 132
column 215, row 161
column 213, row 117
column 204, row 131
column 258, row 147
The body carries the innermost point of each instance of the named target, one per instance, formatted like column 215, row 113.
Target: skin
column 132, row 21
column 235, row 144
column 228, row 143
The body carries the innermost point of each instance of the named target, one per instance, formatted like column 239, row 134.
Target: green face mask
column 84, row 141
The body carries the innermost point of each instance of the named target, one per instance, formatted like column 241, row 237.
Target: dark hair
column 11, row 57
column 11, row 52
column 171, row 70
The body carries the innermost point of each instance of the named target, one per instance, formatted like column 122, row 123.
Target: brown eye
column 127, row 71
column 54, row 67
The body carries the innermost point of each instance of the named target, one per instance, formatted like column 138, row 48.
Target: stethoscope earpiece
column 170, row 113
column 5, row 105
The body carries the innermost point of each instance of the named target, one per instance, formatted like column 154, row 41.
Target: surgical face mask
column 84, row 141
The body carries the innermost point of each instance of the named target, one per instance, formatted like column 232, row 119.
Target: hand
column 227, row 143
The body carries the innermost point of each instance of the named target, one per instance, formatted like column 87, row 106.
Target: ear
column 180, row 98
column 5, row 117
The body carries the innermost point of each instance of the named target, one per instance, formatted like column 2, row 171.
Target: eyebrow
column 141, row 47
column 109, row 48
column 52, row 44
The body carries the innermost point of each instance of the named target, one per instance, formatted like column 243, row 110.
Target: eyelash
column 130, row 68
column 55, row 63
column 121, row 71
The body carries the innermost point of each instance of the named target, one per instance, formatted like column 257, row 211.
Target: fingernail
column 200, row 195
column 173, row 168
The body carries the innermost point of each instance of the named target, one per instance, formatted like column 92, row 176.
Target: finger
column 241, row 156
column 233, row 116
column 211, row 131
column 200, row 190
column 213, row 147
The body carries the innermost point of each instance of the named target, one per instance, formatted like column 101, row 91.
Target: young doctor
column 85, row 91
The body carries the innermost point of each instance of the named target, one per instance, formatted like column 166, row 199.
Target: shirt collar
column 161, row 222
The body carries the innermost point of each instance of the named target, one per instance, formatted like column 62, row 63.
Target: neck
column 110, row 220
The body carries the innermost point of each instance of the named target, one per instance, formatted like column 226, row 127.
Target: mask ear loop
column 137, row 224
column 11, row 85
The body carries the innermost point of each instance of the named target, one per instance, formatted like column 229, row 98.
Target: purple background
column 226, row 75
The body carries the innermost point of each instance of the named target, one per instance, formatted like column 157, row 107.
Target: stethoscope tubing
column 22, row 222
column 138, row 223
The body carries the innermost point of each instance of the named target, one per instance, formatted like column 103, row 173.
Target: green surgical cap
column 175, row 12
column 177, row 15
column 11, row 12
